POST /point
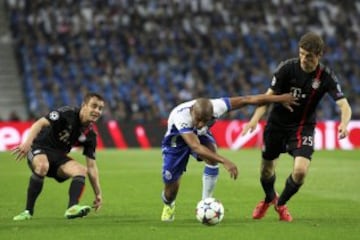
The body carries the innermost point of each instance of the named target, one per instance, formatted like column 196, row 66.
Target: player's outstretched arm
column 194, row 143
column 260, row 99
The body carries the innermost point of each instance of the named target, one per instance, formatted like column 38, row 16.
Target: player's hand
column 97, row 202
column 249, row 127
column 231, row 168
column 20, row 151
column 288, row 100
column 288, row 107
column 343, row 132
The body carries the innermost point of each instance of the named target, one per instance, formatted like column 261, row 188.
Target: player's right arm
column 345, row 117
column 23, row 148
column 258, row 114
column 93, row 173
column 193, row 142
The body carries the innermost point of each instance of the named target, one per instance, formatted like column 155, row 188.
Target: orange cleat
column 261, row 208
column 284, row 214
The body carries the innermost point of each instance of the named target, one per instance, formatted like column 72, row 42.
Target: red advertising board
column 227, row 134
column 113, row 134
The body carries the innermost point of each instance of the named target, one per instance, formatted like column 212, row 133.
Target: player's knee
column 267, row 173
column 209, row 162
column 41, row 168
column 267, row 170
column 78, row 170
column 39, row 165
column 299, row 175
column 82, row 171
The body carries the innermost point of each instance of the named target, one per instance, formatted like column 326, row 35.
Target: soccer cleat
column 262, row 207
column 25, row 215
column 77, row 211
column 168, row 213
column 284, row 214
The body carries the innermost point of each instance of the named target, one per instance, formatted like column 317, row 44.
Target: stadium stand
column 12, row 101
column 147, row 56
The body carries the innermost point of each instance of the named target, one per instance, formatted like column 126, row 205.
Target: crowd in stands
column 147, row 56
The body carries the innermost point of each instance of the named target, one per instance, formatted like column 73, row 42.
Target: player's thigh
column 175, row 161
column 300, row 169
column 301, row 165
column 208, row 141
column 71, row 168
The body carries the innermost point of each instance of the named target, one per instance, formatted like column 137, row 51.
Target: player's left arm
column 345, row 117
column 93, row 174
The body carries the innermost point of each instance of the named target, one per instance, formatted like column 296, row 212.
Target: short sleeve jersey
column 66, row 131
column 308, row 87
column 180, row 121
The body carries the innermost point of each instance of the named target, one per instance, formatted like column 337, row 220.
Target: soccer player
column 49, row 141
column 293, row 132
column 188, row 133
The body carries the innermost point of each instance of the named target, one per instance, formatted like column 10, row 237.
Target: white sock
column 209, row 180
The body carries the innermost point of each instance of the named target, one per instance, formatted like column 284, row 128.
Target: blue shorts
column 175, row 159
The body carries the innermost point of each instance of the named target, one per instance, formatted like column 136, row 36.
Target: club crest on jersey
column 315, row 84
column 82, row 138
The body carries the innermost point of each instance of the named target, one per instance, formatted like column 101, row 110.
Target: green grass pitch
column 326, row 207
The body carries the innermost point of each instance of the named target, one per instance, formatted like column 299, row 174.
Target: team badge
column 82, row 138
column 167, row 175
column 315, row 84
column 54, row 115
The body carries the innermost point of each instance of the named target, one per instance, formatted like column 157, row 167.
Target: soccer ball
column 209, row 211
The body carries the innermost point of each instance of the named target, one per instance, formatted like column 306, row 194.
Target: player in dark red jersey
column 49, row 141
column 293, row 131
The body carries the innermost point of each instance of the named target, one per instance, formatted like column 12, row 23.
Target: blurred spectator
column 13, row 116
column 147, row 56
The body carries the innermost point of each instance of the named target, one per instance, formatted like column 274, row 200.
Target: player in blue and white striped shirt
column 188, row 133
